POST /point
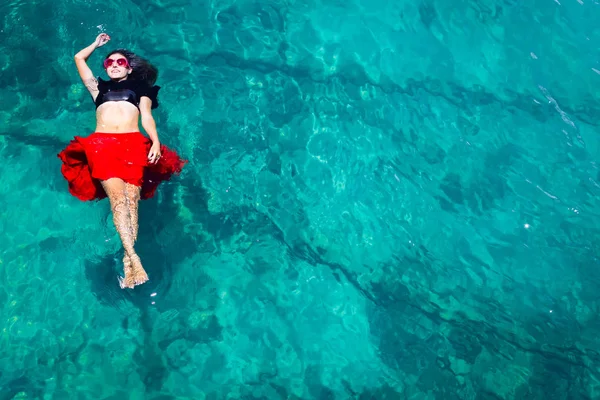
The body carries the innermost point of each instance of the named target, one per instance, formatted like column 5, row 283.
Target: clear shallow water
column 385, row 200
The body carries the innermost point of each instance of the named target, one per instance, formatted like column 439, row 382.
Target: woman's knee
column 118, row 200
column 132, row 192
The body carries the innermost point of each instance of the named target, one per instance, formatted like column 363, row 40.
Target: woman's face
column 117, row 67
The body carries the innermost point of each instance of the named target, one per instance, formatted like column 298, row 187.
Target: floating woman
column 117, row 161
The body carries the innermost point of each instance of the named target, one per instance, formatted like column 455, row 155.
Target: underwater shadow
column 159, row 258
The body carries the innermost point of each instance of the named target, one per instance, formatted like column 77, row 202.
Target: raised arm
column 86, row 74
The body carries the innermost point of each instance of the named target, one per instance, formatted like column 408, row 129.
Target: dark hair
column 142, row 70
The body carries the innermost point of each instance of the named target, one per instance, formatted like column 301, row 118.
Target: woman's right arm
column 86, row 74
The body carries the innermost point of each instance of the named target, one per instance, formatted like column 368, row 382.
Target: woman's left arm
column 150, row 128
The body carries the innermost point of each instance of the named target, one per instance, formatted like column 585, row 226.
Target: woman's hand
column 101, row 40
column 154, row 154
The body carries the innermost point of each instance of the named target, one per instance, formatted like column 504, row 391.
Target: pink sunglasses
column 121, row 62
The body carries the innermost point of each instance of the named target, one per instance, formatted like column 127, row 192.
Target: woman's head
column 123, row 64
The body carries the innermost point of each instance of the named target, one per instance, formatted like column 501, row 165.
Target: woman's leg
column 132, row 193
column 133, row 197
column 115, row 189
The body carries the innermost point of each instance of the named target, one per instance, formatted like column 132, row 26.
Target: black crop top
column 127, row 90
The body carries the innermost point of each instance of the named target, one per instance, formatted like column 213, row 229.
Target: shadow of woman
column 160, row 260
column 159, row 257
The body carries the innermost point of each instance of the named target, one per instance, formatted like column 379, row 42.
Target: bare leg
column 133, row 197
column 115, row 189
column 132, row 193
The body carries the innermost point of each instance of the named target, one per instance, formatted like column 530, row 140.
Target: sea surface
column 383, row 200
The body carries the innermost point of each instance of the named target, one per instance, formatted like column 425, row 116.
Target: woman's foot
column 138, row 273
column 128, row 281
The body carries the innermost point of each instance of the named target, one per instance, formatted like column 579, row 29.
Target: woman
column 117, row 161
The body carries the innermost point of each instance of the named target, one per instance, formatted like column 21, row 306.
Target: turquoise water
column 384, row 200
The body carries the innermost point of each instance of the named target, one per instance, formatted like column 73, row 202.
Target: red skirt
column 100, row 156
